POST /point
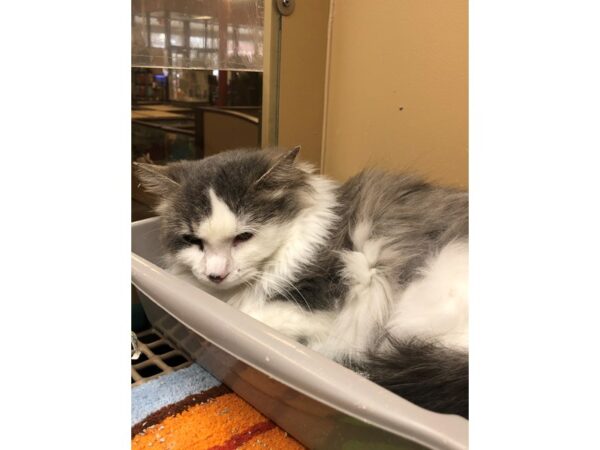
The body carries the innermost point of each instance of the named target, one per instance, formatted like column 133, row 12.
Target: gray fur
column 412, row 217
column 426, row 373
column 415, row 218
column 246, row 180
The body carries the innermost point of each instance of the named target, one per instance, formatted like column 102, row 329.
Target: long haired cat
column 371, row 273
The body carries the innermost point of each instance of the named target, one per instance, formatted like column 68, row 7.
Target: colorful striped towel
column 190, row 410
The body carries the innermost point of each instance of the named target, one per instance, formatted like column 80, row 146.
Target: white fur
column 433, row 306
column 367, row 304
column 436, row 306
column 303, row 237
column 220, row 256
column 288, row 248
column 285, row 248
column 222, row 223
column 291, row 320
column 217, row 232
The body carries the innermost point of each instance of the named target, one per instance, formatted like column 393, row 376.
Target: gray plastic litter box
column 320, row 403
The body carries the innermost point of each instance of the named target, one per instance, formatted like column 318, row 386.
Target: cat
column 371, row 273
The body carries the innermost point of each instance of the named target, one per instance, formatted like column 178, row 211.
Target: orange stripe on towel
column 272, row 439
column 176, row 408
column 214, row 423
column 244, row 437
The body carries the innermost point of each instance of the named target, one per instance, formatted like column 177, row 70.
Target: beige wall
column 302, row 78
column 223, row 132
column 397, row 88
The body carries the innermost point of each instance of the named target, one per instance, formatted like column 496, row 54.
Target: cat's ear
column 155, row 179
column 290, row 156
column 281, row 164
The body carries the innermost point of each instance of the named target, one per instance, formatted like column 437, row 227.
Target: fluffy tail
column 427, row 374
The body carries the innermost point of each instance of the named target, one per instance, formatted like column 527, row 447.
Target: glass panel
column 161, row 145
column 176, row 33
column 191, row 34
column 191, row 86
column 157, row 40
column 150, row 86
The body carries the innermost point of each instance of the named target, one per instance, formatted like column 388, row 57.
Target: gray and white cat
column 371, row 273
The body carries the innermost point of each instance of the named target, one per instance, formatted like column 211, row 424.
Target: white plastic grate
column 158, row 357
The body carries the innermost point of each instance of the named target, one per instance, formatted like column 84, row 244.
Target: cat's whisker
column 291, row 284
column 280, row 289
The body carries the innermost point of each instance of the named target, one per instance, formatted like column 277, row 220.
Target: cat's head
column 224, row 217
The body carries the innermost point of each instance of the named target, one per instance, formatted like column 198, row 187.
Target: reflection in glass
column 191, row 34
column 177, row 33
column 157, row 40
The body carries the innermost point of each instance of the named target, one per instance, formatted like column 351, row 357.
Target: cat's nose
column 216, row 278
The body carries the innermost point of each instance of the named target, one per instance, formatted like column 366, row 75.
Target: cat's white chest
column 284, row 316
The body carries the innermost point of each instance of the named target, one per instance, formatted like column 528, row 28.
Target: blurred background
column 355, row 83
column 196, row 81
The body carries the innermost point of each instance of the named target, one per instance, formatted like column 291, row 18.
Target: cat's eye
column 242, row 238
column 193, row 240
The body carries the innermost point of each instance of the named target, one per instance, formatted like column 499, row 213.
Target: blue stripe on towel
column 170, row 388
